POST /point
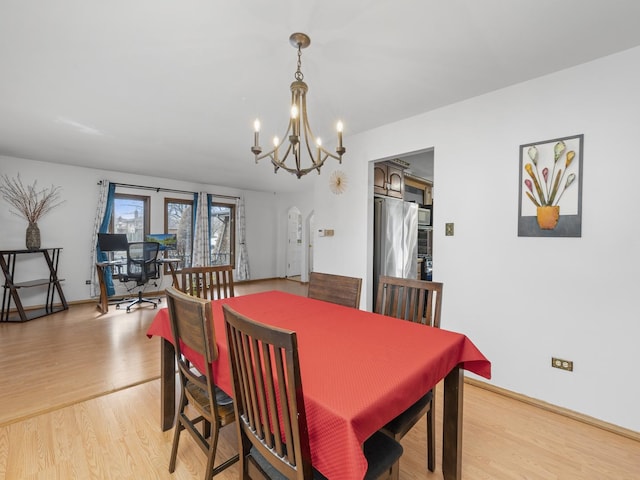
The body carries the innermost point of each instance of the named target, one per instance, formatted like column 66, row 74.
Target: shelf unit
column 12, row 288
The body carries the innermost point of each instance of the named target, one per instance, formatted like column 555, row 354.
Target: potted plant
column 30, row 203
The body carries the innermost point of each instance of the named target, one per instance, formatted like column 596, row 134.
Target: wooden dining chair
column 269, row 406
column 201, row 401
column 417, row 301
column 211, row 282
column 335, row 289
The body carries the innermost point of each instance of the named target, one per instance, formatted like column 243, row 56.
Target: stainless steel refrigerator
column 395, row 239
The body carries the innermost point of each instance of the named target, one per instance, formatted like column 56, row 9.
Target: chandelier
column 299, row 133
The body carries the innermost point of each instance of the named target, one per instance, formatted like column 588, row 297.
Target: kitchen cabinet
column 420, row 187
column 388, row 180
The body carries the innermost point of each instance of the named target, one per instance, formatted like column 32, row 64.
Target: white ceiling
column 171, row 88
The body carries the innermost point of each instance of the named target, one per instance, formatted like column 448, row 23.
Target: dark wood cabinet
column 420, row 187
column 388, row 179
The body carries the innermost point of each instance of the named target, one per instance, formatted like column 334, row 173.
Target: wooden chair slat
column 337, row 289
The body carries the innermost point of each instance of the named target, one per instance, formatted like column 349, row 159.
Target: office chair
column 142, row 266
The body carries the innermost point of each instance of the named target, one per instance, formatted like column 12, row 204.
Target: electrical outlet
column 87, row 282
column 448, row 229
column 562, row 364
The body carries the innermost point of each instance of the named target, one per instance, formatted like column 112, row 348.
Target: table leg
column 103, row 303
column 452, row 425
column 167, row 384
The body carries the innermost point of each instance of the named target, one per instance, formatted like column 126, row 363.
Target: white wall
column 523, row 300
column 70, row 226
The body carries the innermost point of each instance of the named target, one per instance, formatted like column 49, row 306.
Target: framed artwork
column 550, row 193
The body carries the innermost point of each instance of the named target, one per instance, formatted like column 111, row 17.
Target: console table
column 12, row 288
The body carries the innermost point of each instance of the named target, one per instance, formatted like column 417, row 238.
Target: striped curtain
column 201, row 252
column 242, row 258
column 101, row 225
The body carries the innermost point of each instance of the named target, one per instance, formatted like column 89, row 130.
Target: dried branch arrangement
column 28, row 201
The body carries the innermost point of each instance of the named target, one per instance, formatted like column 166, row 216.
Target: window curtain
column 242, row 259
column 201, row 252
column 101, row 225
column 194, row 215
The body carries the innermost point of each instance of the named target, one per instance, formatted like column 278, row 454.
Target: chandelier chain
column 298, row 75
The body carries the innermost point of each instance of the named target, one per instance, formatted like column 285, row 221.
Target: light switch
column 448, row 229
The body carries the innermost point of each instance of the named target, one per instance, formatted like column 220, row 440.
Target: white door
column 294, row 242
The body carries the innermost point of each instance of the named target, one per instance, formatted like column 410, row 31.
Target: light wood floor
column 79, row 399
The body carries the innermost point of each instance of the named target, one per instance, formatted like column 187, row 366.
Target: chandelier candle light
column 298, row 128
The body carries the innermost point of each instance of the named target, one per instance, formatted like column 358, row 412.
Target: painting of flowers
column 550, row 193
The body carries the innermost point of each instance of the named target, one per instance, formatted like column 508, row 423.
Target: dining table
column 359, row 370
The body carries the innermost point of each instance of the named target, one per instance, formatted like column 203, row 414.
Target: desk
column 359, row 370
column 103, row 301
column 11, row 287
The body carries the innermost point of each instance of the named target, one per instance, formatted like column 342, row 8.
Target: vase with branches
column 30, row 203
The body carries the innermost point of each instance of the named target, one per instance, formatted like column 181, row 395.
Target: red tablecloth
column 359, row 369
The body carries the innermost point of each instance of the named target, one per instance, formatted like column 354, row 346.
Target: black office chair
column 142, row 266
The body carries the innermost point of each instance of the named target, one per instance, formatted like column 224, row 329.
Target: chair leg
column 176, row 434
column 174, row 448
column 395, row 471
column 212, row 471
column 139, row 300
column 211, row 458
column 431, row 440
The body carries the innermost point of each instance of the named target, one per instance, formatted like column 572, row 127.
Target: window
column 178, row 219
column 130, row 216
column 223, row 235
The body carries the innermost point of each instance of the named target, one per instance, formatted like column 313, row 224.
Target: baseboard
column 155, row 294
column 565, row 412
column 160, row 293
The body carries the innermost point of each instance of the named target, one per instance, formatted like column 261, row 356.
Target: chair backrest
column 408, row 299
column 335, row 289
column 207, row 282
column 268, row 398
column 192, row 327
column 142, row 261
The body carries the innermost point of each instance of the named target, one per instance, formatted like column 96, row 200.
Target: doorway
column 294, row 243
column 407, row 177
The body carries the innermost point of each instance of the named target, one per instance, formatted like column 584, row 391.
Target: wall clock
column 338, row 182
